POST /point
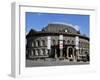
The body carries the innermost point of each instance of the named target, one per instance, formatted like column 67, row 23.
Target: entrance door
column 70, row 52
column 65, row 52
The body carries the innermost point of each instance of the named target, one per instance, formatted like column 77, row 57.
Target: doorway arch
column 70, row 52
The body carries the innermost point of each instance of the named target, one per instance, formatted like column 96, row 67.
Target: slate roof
column 56, row 29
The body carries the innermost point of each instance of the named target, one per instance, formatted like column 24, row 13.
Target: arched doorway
column 70, row 52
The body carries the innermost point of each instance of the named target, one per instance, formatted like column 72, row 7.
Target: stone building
column 57, row 41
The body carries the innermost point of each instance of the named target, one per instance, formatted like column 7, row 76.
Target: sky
column 39, row 20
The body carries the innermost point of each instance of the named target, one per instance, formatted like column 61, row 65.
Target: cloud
column 77, row 27
column 26, row 33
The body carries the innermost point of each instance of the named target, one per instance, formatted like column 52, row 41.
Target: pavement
column 51, row 62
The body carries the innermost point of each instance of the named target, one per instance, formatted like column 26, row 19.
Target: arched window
column 41, row 52
column 64, row 42
column 29, row 53
column 32, row 44
column 32, row 52
column 72, row 42
column 86, row 53
column 37, row 43
column 46, row 52
column 42, row 42
column 53, row 42
column 68, row 41
column 36, row 52
column 82, row 45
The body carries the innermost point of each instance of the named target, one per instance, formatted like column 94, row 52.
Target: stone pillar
column 55, row 54
column 77, row 46
column 61, row 45
column 49, row 44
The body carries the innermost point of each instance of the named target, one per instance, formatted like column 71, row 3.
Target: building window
column 42, row 42
column 46, row 52
column 86, row 53
column 72, row 42
column 29, row 52
column 80, row 51
column 32, row 44
column 36, row 52
column 41, row 52
column 68, row 42
column 54, row 42
column 82, row 43
column 32, row 53
column 64, row 42
column 37, row 43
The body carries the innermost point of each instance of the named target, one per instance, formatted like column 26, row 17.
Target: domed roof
column 60, row 27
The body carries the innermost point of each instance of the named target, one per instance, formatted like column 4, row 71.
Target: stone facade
column 36, row 46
